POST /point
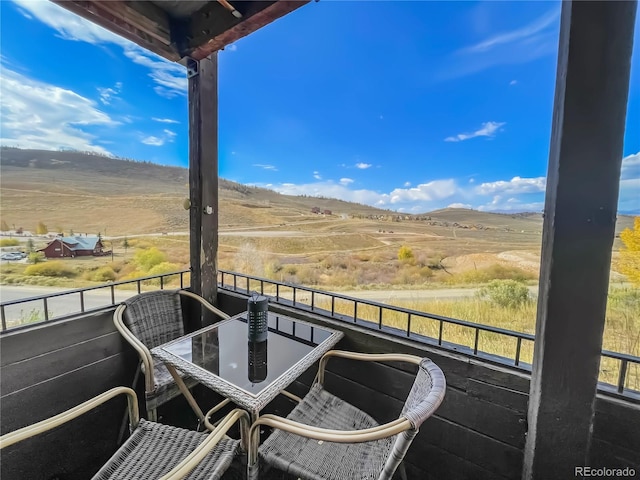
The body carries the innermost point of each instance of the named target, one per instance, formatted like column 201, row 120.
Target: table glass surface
column 224, row 350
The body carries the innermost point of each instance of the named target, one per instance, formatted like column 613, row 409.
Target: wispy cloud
column 524, row 33
column 363, row 166
column 168, row 136
column 35, row 114
column 231, row 48
column 513, row 82
column 346, row 181
column 317, row 175
column 107, row 95
column 170, row 77
column 488, row 129
column 164, row 120
column 265, row 166
column 522, row 44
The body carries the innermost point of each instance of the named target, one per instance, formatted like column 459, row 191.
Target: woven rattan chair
column 152, row 451
column 326, row 438
column 151, row 319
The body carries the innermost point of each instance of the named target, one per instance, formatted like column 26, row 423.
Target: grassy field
column 138, row 209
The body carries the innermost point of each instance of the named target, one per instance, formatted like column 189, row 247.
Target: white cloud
column 459, row 205
column 520, row 45
column 363, row 166
column 107, row 95
column 158, row 141
column 170, row 77
column 488, row 129
column 520, row 34
column 407, row 184
column 631, row 167
column 231, row 48
column 265, row 167
column 516, row 185
column 153, row 141
column 317, row 175
column 35, row 114
column 164, row 120
column 425, row 192
column 513, row 82
column 499, row 204
column 346, row 181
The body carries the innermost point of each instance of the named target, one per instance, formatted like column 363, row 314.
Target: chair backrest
column 425, row 397
column 426, row 394
column 154, row 317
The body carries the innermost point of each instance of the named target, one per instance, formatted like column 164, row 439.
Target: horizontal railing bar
column 88, row 289
column 514, row 362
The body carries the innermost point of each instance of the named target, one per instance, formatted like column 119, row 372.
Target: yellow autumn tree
column 630, row 255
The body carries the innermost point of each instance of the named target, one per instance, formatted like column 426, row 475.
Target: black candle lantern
column 257, row 321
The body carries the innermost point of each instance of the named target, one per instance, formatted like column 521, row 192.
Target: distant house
column 315, row 210
column 73, row 247
column 326, row 212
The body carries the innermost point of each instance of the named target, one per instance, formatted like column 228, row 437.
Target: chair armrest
column 141, row 348
column 317, row 433
column 368, row 357
column 64, row 417
column 194, row 458
column 205, row 303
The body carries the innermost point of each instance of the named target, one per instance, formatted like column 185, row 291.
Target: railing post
column 623, row 375
column 46, row 309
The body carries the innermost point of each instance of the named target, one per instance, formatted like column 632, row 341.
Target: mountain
column 85, row 192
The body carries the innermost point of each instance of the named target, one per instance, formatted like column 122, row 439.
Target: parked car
column 13, row 256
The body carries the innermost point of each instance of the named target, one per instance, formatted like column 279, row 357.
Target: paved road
column 57, row 306
column 67, row 304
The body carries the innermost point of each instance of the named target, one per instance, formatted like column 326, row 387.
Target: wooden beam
column 209, row 152
column 592, row 86
column 195, row 176
column 214, row 27
column 141, row 22
column 203, row 175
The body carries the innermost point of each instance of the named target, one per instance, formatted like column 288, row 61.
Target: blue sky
column 410, row 106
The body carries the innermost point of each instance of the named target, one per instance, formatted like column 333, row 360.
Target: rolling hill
column 90, row 193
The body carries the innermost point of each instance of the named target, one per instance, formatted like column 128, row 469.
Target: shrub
column 9, row 242
column 506, row 293
column 405, row 253
column 54, row 268
column 35, row 257
column 162, row 268
column 149, row 258
column 104, row 274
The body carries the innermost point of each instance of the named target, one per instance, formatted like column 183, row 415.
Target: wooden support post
column 592, row 85
column 203, row 175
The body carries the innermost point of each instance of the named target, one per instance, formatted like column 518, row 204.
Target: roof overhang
column 177, row 29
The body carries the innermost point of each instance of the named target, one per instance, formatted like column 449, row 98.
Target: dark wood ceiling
column 179, row 29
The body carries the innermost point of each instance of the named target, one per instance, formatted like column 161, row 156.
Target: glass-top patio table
column 250, row 374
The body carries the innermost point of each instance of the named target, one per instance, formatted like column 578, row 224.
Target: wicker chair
column 146, row 321
column 326, row 438
column 153, row 450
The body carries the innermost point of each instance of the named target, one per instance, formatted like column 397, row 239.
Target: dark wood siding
column 478, row 433
column 48, row 369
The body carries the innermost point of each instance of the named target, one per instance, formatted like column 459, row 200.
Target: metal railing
column 311, row 300
column 111, row 288
column 307, row 298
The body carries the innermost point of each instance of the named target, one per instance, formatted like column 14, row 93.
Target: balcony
column 479, row 431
